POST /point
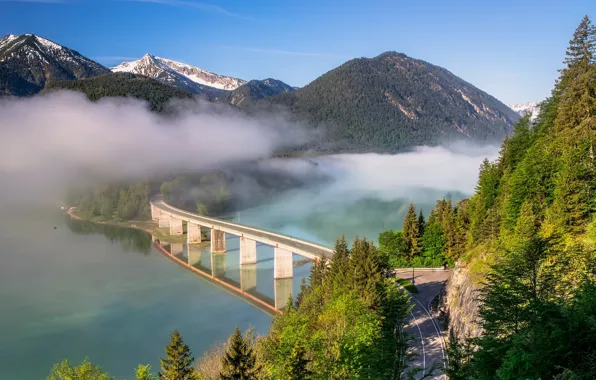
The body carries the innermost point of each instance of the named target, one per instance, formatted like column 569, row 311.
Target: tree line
column 437, row 241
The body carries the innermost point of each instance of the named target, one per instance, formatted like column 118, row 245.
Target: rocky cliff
column 461, row 303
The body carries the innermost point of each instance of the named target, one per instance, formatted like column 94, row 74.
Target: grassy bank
column 148, row 226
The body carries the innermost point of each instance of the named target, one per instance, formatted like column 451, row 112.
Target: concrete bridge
column 284, row 246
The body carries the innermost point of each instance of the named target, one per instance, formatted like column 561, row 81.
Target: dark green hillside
column 254, row 90
column 392, row 102
column 123, row 84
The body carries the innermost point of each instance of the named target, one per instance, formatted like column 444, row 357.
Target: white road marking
column 421, row 341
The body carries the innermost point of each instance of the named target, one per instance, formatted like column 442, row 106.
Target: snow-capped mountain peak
column 531, row 107
column 178, row 74
column 32, row 60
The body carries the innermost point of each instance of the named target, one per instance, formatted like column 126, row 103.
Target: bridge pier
column 218, row 241
column 248, row 251
column 163, row 220
column 175, row 226
column 194, row 254
column 176, row 249
column 248, row 277
column 193, row 233
column 282, row 289
column 283, row 265
column 218, row 265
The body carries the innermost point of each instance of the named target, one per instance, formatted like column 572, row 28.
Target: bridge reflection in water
column 212, row 268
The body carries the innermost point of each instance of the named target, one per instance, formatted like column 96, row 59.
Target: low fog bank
column 364, row 194
column 52, row 142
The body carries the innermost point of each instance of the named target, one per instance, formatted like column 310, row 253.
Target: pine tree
column 421, row 224
column 178, row 364
column 339, row 265
column 297, row 366
column 365, row 271
column 412, row 232
column 239, row 361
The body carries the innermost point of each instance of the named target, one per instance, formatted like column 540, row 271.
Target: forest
column 528, row 232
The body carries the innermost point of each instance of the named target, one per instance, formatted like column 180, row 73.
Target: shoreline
column 130, row 224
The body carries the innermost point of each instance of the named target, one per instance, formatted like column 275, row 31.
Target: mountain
column 181, row 75
column 123, row 84
column 28, row 62
column 255, row 90
column 532, row 107
column 392, row 102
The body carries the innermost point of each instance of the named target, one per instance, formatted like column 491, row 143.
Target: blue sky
column 510, row 49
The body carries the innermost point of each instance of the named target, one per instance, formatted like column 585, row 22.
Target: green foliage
column 391, row 102
column 530, row 331
column 116, row 201
column 349, row 322
column 439, row 241
column 178, row 362
column 156, row 94
column 239, row 361
column 411, row 233
column 84, row 371
column 143, row 372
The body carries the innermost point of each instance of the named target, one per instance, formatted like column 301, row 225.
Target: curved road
column 298, row 246
column 429, row 341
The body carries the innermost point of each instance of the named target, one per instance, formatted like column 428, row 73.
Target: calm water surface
column 106, row 293
column 81, row 290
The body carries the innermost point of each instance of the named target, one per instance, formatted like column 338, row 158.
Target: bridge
column 284, row 246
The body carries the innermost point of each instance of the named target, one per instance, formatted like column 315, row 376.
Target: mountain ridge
column 181, row 75
column 397, row 101
column 28, row 62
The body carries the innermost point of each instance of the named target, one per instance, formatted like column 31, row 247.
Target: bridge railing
column 255, row 229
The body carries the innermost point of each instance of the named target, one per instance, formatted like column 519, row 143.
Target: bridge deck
column 301, row 247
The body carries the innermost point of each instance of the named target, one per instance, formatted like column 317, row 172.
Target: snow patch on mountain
column 533, row 108
column 171, row 72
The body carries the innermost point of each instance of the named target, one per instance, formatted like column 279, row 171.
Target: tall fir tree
column 421, row 224
column 297, row 366
column 239, row 361
column 411, row 232
column 178, row 362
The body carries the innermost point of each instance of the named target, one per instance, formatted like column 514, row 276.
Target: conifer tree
column 421, row 224
column 365, row 271
column 239, row 361
column 178, row 362
column 339, row 265
column 297, row 366
column 411, row 232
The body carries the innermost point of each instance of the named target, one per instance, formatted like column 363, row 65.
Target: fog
column 59, row 139
column 53, row 142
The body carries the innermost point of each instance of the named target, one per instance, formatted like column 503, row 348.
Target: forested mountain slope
column 123, row 84
column 392, row 101
column 526, row 241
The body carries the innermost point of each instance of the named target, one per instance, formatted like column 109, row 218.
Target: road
column 429, row 342
column 292, row 244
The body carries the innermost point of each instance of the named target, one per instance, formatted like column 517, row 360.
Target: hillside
column 256, row 90
column 522, row 301
column 123, row 84
column 392, row 102
column 28, row 62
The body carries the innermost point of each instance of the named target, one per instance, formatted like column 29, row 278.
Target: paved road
column 294, row 245
column 429, row 341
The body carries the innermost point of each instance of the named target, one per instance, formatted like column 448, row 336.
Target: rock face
column 181, row 75
column 462, row 304
column 28, row 62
